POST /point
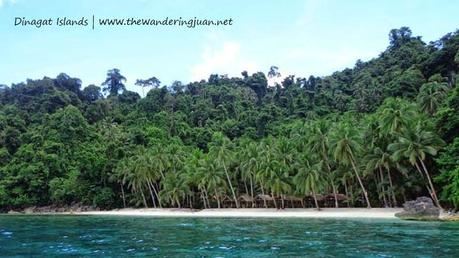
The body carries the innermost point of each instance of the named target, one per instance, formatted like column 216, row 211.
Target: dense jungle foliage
column 377, row 134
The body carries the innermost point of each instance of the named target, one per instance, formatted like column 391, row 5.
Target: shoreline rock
column 449, row 216
column 51, row 209
column 422, row 209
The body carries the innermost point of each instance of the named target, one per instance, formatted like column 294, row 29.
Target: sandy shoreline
column 252, row 213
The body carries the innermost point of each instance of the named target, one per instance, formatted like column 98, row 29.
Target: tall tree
column 415, row 144
column 114, row 83
column 431, row 96
column 221, row 150
column 345, row 147
column 309, row 180
column 151, row 82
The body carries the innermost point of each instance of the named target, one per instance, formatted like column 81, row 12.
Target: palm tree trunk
column 335, row 194
column 394, row 200
column 274, row 199
column 383, row 191
column 422, row 174
column 144, row 200
column 203, row 200
column 282, row 201
column 162, row 174
column 207, row 198
column 346, row 192
column 231, row 185
column 151, row 193
column 264, row 200
column 246, row 187
column 361, row 184
column 434, row 193
column 178, row 203
column 123, row 196
column 332, row 183
column 157, row 195
column 315, row 200
column 218, row 199
column 251, row 192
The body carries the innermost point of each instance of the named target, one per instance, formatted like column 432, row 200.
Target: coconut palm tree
column 249, row 165
column 223, row 155
column 345, row 146
column 197, row 176
column 174, row 156
column 194, row 171
column 431, row 95
column 376, row 159
column 415, row 144
column 308, row 180
column 319, row 143
column 144, row 167
column 121, row 173
column 262, row 169
column 395, row 115
column 277, row 180
column 136, row 182
column 213, row 178
column 161, row 161
column 175, row 189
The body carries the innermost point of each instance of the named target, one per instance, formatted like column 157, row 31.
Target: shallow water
column 215, row 237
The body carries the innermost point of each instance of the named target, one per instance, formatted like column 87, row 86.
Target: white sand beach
column 254, row 213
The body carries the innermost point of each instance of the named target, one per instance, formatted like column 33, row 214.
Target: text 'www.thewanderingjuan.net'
column 93, row 22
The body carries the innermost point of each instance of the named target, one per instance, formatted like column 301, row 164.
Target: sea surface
column 116, row 236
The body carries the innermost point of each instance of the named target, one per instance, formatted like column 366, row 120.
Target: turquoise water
column 194, row 237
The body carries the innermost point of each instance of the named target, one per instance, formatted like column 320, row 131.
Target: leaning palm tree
column 175, row 189
column 376, row 159
column 277, row 180
column 431, row 95
column 144, row 167
column 395, row 115
column 160, row 159
column 136, row 182
column 194, row 172
column 309, row 180
column 221, row 151
column 199, row 180
column 262, row 171
column 319, row 143
column 345, row 146
column 120, row 175
column 213, row 178
column 249, row 165
column 415, row 144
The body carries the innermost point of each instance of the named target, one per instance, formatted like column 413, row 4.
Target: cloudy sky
column 301, row 37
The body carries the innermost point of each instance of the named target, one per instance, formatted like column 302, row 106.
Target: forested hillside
column 377, row 134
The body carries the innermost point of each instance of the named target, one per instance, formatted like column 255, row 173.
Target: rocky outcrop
column 422, row 208
column 76, row 207
column 449, row 216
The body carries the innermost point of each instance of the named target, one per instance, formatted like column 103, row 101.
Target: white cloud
column 3, row 2
column 225, row 59
column 309, row 11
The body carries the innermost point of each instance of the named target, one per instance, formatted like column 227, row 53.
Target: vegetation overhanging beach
column 377, row 135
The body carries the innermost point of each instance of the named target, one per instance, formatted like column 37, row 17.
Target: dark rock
column 74, row 207
column 422, row 208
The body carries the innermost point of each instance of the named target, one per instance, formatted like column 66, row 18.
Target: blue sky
column 301, row 37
